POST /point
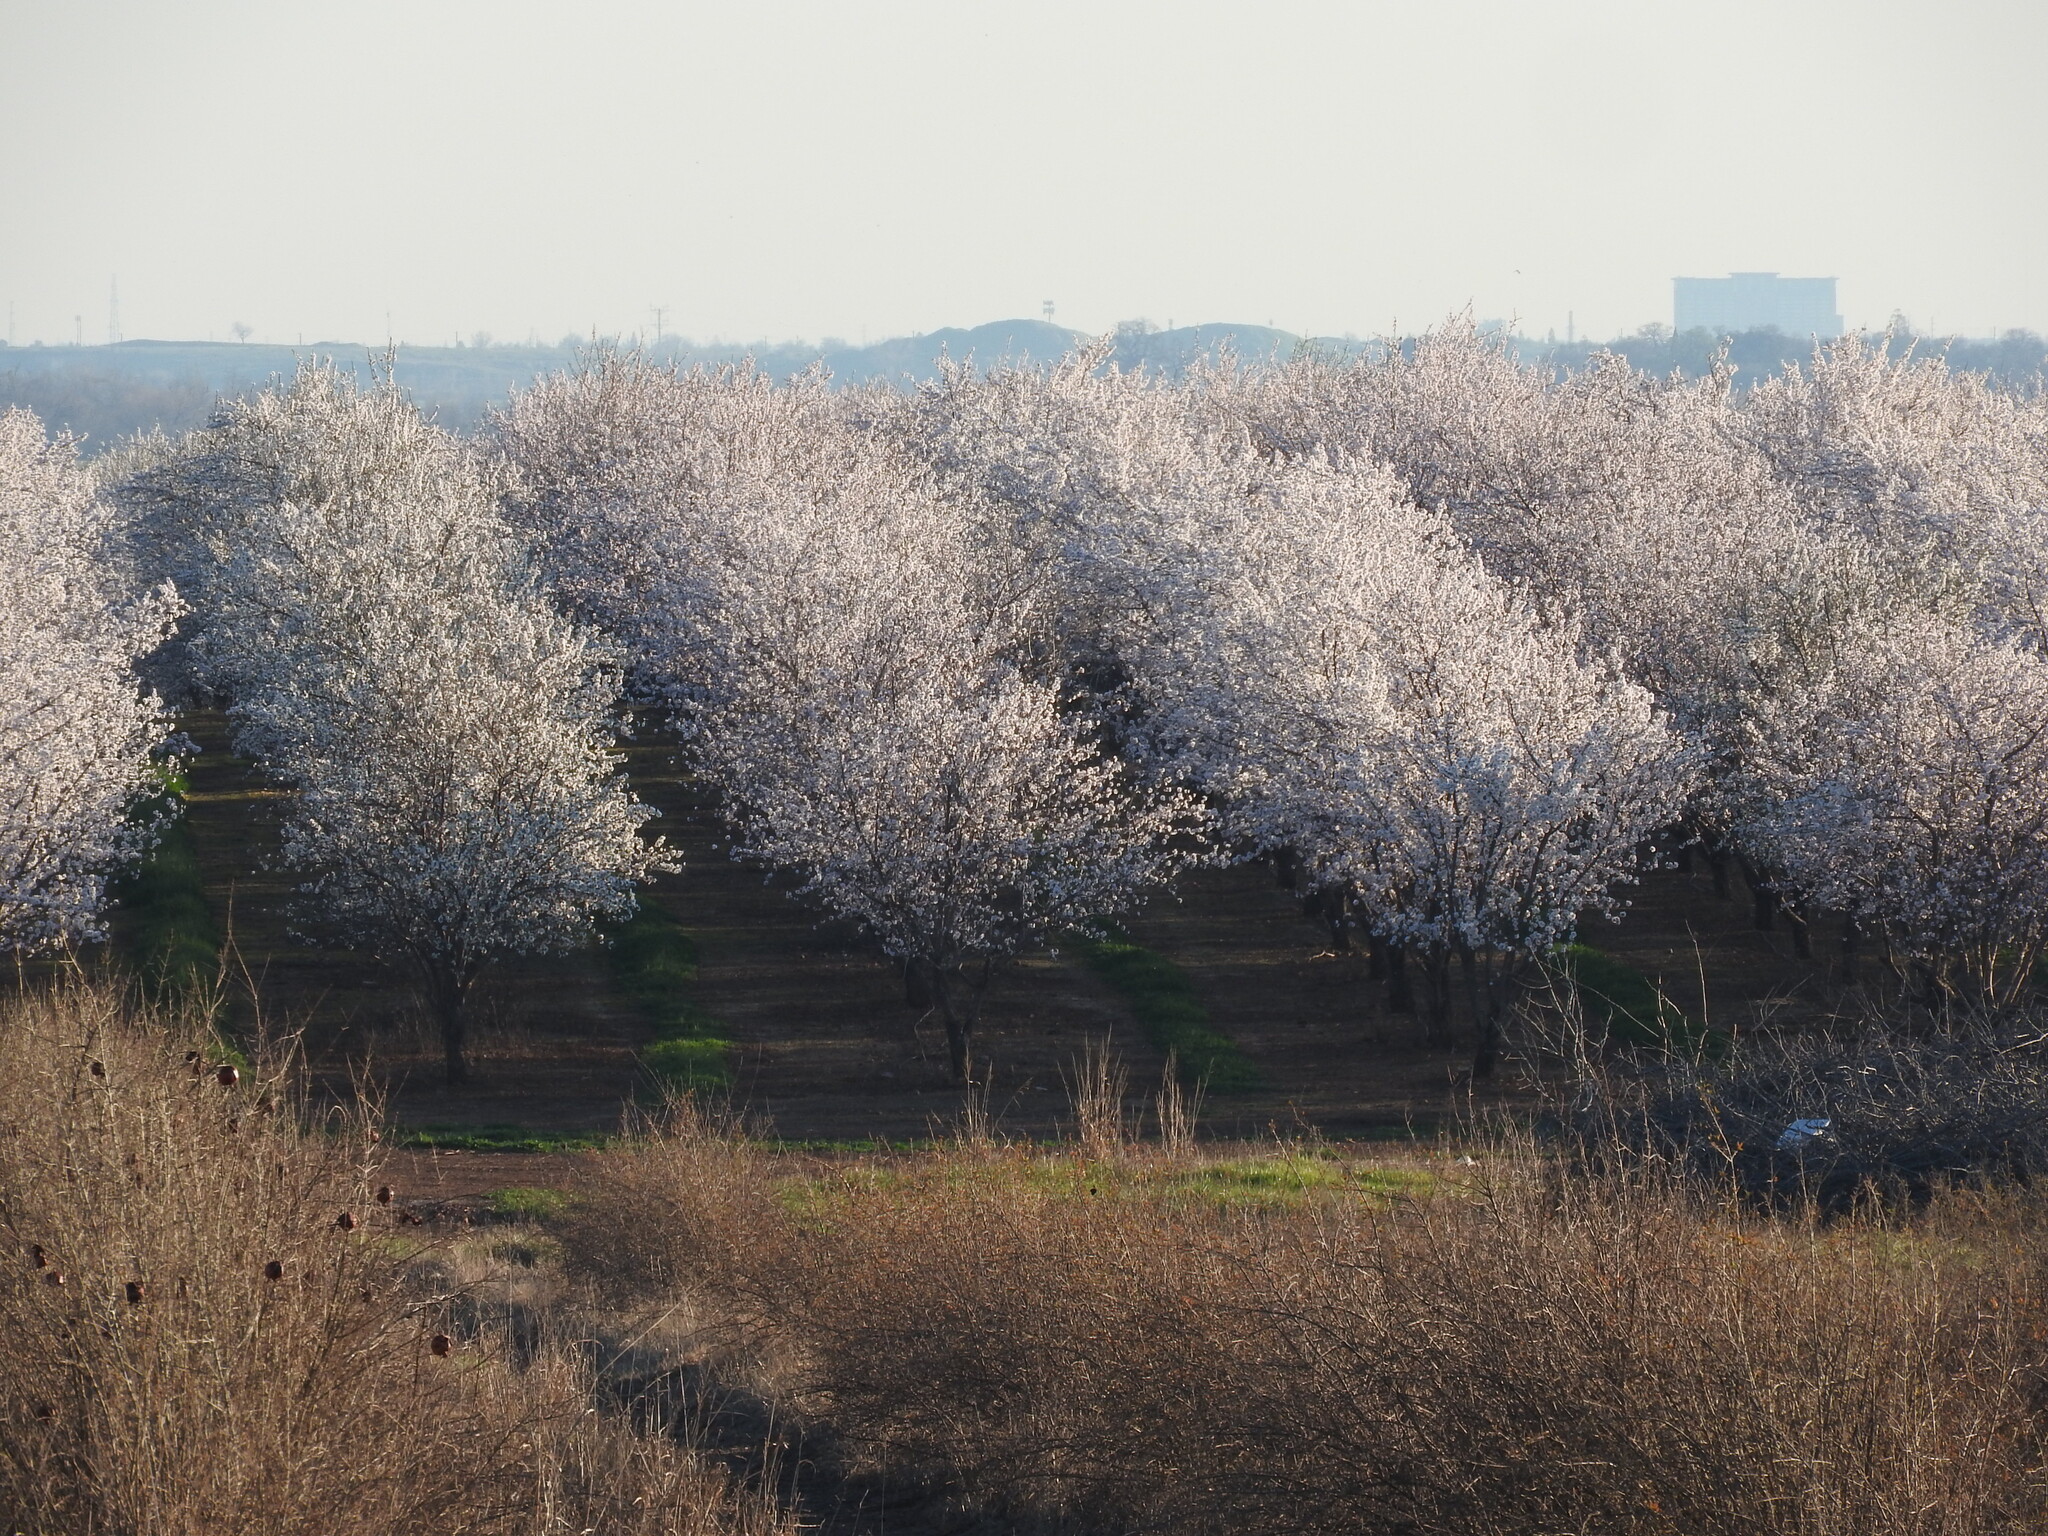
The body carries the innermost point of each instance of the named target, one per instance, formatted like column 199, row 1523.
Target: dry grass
column 211, row 1325
column 1114, row 1335
column 1064, row 1343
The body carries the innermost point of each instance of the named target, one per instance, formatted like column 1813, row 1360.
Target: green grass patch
column 163, row 926
column 498, row 1138
column 1289, row 1177
column 1623, row 1006
column 522, row 1202
column 1284, row 1178
column 835, row 1147
column 654, row 962
column 1163, row 1000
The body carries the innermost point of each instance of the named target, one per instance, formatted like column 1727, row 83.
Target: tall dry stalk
column 1096, row 1083
column 1177, row 1111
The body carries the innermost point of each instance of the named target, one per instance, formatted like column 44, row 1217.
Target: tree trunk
column 959, row 1003
column 959, row 1051
column 1802, row 939
column 1436, row 979
column 1337, row 915
column 1485, row 1016
column 1851, row 935
column 917, row 985
column 1283, row 868
column 1763, row 901
column 1927, row 989
column 1400, row 991
column 1717, row 864
column 448, row 997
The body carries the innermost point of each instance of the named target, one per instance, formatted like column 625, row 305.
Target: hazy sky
column 779, row 170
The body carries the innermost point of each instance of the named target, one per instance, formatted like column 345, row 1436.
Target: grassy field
column 724, row 982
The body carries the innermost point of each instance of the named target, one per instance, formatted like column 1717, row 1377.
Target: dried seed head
column 38, row 1257
column 135, row 1293
column 227, row 1076
column 273, row 1270
column 346, row 1221
column 99, row 1069
column 441, row 1344
column 383, row 1194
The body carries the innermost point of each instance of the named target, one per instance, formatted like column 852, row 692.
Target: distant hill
column 106, row 392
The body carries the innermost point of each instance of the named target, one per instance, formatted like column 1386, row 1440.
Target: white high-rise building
column 1755, row 301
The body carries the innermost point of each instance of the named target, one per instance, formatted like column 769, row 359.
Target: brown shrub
column 226, row 1354
column 1522, row 1352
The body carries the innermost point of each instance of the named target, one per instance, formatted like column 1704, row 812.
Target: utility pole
column 113, row 310
column 1048, row 311
column 78, row 330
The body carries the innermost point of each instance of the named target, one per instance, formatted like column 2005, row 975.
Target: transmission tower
column 113, row 310
column 1048, row 311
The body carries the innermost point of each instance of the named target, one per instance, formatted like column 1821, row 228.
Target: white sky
column 768, row 169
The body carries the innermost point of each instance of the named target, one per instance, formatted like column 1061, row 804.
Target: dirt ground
column 826, row 1049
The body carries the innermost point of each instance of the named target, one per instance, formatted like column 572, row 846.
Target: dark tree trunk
column 1763, row 909
column 1927, row 988
column 1436, row 1015
column 1851, row 941
column 917, row 985
column 1802, row 938
column 454, row 1045
column 959, row 1048
column 1337, row 916
column 1485, row 1016
column 958, row 999
column 1284, row 868
column 448, row 996
column 1763, row 901
column 1717, row 865
column 1681, row 857
column 1330, row 907
column 1400, row 990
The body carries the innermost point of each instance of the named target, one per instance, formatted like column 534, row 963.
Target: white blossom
column 76, row 729
column 875, row 733
column 1908, row 787
column 387, row 654
column 1356, row 689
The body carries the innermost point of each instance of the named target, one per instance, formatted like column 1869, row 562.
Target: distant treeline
column 2016, row 358
column 104, row 393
